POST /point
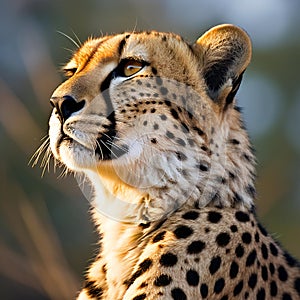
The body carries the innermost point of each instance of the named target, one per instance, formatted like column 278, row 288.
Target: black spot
column 153, row 141
column 204, row 148
column 223, row 239
column 273, row 249
column 174, row 113
column 231, row 175
column 153, row 110
column 163, row 117
column 214, row 217
column 145, row 123
column 162, row 280
column 251, row 258
column 203, row 168
column 168, row 259
column 286, row 296
column 199, row 131
column 182, row 232
column 154, row 71
column 163, row 90
column 215, row 265
column 238, row 288
column 143, row 284
column 256, row 237
column 180, row 142
column 264, row 251
column 246, row 238
column 273, row 289
column 168, row 103
column 297, row 285
column 290, row 260
column 181, row 156
column 271, row 268
column 158, row 237
column 140, row 297
column 234, row 269
column 190, row 215
column 143, row 267
column 239, row 251
column 234, row 142
column 252, row 281
column 264, row 273
column 192, row 277
column 237, row 198
column 178, row 294
column 204, row 290
column 250, row 189
column 242, row 216
column 261, row 294
column 144, row 225
column 282, row 274
column 93, row 290
column 155, row 126
column 184, row 127
column 233, row 228
column 164, row 38
column 219, row 285
column 195, row 247
column 262, row 229
column 158, row 81
column 170, row 135
column 247, row 157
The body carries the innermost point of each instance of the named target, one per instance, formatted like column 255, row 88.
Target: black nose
column 66, row 106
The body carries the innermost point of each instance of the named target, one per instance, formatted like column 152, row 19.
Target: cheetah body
column 152, row 122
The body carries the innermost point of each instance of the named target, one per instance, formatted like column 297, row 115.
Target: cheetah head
column 147, row 117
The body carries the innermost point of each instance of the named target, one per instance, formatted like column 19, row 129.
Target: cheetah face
column 128, row 94
column 115, row 108
column 149, row 110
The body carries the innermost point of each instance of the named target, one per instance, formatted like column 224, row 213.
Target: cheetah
column 153, row 123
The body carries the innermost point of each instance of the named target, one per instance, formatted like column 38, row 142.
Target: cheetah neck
column 118, row 206
column 116, row 219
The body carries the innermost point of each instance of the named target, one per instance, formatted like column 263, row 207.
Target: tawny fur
column 152, row 122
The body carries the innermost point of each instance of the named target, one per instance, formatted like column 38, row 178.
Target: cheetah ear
column 225, row 52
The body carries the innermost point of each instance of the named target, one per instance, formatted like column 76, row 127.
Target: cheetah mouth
column 104, row 147
column 107, row 149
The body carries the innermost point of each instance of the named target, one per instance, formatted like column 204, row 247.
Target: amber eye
column 131, row 67
column 69, row 72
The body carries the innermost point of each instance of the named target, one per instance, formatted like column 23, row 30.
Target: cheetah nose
column 66, row 106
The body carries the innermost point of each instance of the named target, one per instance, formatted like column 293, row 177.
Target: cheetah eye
column 69, row 72
column 131, row 67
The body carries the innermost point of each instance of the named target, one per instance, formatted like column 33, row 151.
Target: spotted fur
column 152, row 122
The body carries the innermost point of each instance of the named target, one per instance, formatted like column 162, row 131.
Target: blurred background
column 46, row 236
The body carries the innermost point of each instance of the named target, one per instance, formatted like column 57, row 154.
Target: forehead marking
column 94, row 51
column 122, row 44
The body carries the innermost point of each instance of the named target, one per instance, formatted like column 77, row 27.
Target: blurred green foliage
column 47, row 238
